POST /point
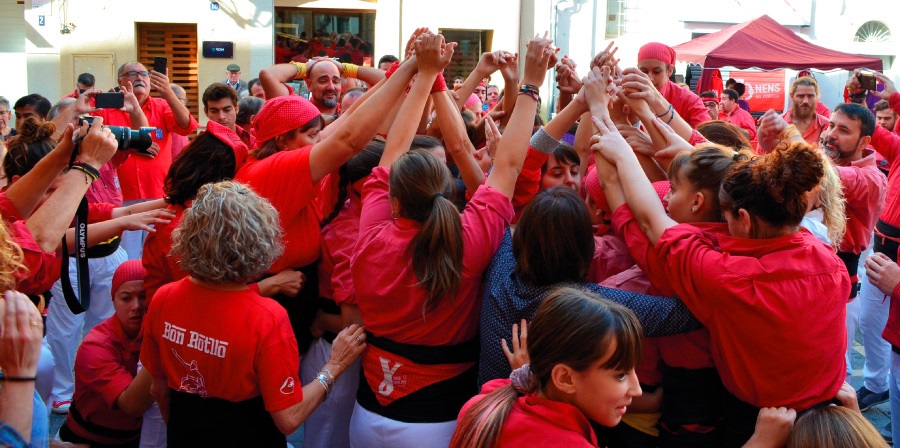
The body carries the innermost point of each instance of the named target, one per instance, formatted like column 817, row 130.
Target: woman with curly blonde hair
column 221, row 355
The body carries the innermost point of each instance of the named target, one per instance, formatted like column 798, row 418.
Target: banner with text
column 764, row 90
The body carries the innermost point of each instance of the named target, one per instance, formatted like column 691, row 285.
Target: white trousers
column 329, row 425
column 869, row 312
column 370, row 430
column 66, row 330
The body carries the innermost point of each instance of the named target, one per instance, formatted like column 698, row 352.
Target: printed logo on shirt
column 287, row 388
column 192, row 382
column 197, row 341
column 387, row 386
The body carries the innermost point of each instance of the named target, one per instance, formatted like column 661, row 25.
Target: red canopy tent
column 766, row 44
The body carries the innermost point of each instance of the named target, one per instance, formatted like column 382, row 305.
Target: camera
column 128, row 138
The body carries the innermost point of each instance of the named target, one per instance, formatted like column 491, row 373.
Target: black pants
column 195, row 421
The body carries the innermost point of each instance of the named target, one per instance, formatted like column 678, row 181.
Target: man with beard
column 323, row 77
column 804, row 98
column 142, row 177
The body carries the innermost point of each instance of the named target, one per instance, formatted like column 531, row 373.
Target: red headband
column 658, row 51
column 282, row 114
column 128, row 271
column 230, row 138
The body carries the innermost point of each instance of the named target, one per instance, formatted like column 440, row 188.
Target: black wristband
column 87, row 169
column 17, row 379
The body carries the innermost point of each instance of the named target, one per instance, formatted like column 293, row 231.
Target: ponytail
column 481, row 425
column 422, row 183
column 437, row 251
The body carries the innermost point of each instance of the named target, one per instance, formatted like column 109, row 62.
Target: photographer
column 142, row 177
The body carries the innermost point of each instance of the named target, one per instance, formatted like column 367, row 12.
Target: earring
column 598, row 212
column 693, row 209
column 394, row 214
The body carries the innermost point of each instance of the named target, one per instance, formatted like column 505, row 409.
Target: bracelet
column 543, row 142
column 301, row 69
column 440, row 84
column 672, row 117
column 327, row 372
column 670, row 109
column 530, row 90
column 391, row 70
column 789, row 133
column 323, row 380
column 17, row 379
column 350, row 70
column 88, row 170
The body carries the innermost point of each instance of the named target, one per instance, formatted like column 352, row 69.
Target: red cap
column 658, row 51
column 128, row 271
column 282, row 114
column 473, row 100
column 592, row 186
column 230, row 138
column 662, row 189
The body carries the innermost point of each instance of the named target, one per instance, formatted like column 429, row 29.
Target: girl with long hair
column 418, row 264
column 582, row 350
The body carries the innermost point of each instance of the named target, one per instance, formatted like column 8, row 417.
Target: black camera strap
column 82, row 302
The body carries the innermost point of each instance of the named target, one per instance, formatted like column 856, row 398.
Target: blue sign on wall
column 213, row 6
column 41, row 21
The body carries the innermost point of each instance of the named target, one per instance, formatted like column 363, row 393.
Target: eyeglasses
column 133, row 74
column 184, row 100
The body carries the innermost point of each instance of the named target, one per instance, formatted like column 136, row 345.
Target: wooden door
column 178, row 43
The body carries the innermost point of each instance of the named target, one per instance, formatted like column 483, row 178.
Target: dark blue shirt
column 508, row 300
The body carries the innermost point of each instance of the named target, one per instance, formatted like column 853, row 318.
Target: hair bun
column 790, row 170
column 32, row 131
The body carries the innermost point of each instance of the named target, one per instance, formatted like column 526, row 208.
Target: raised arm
column 637, row 85
column 641, row 197
column 273, row 77
column 488, row 64
column 49, row 223
column 432, row 55
column 514, row 144
column 160, row 82
column 27, row 192
column 456, row 141
column 352, row 137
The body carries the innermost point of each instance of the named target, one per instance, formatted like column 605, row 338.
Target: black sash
column 195, row 421
column 436, row 403
column 125, row 435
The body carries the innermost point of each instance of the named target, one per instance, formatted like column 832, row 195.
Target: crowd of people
column 412, row 264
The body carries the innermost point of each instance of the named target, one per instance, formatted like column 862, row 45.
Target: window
column 615, row 18
column 306, row 33
column 178, row 43
column 873, row 32
column 472, row 43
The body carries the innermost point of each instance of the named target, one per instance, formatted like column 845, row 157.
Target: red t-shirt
column 105, row 366
column 338, row 241
column 386, row 291
column 688, row 105
column 233, row 345
column 864, row 188
column 537, row 421
column 611, row 257
column 755, row 296
column 142, row 177
column 813, row 131
column 888, row 144
column 284, row 178
column 687, row 350
column 742, row 119
column 161, row 268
